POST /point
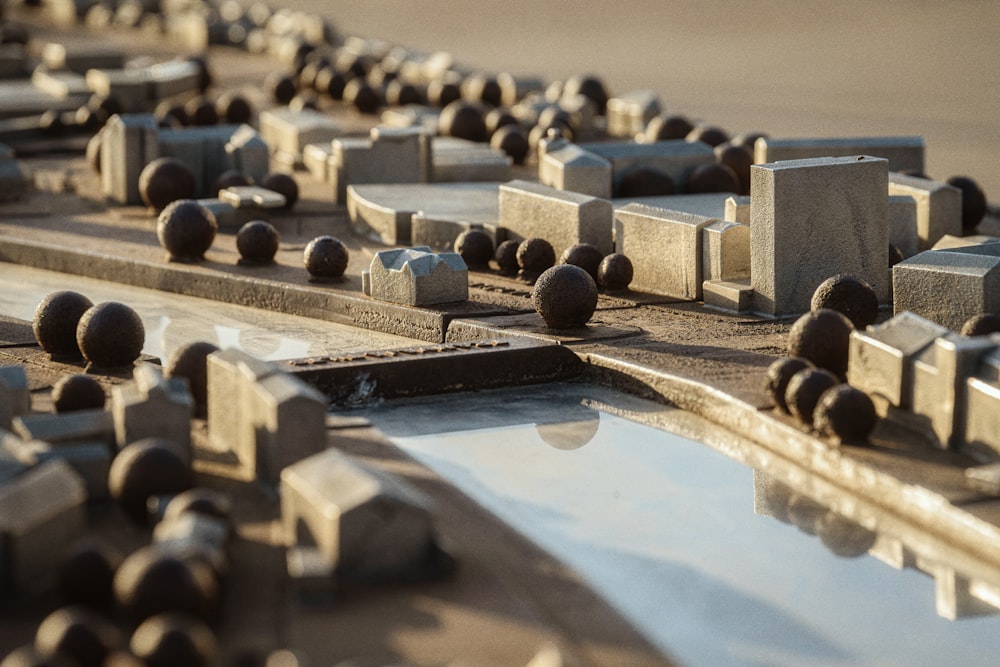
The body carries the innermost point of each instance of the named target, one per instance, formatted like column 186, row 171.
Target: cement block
column 152, row 406
column 955, row 595
column 440, row 234
column 42, row 512
column 230, row 374
column 731, row 296
column 389, row 155
column 725, row 251
column 15, row 398
column 133, row 88
column 261, row 200
column 248, row 153
column 90, row 460
column 708, row 205
column 939, row 384
column 575, row 169
column 939, row 206
column 903, row 225
column 417, row 277
column 562, row 218
column 227, row 217
column 677, row 159
column 385, row 212
column 287, row 131
column 10, row 465
column 949, row 286
column 174, row 78
column 737, row 209
column 982, row 420
column 289, row 420
column 316, row 160
column 59, row 84
column 665, row 248
column 203, row 150
column 461, row 161
column 628, row 114
column 129, row 143
column 880, row 360
column 812, row 219
column 949, row 242
column 365, row 522
column 81, row 426
column 190, row 532
column 903, row 153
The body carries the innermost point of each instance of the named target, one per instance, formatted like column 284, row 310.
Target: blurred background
column 788, row 68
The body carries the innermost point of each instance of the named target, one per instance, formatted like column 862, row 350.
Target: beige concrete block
column 627, row 115
column 677, row 159
column 731, row 296
column 903, row 153
column 575, row 169
column 290, row 131
column 949, row 286
column 880, row 360
column 982, row 419
column 665, row 248
column 562, row 218
column 366, row 522
column 42, row 512
column 812, row 219
column 939, row 206
column 725, row 251
column 903, row 224
column 153, row 407
column 289, row 419
column 417, row 277
column 737, row 209
column 128, row 143
column 231, row 374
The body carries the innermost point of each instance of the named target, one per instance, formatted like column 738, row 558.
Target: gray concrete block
column 385, row 212
column 174, row 78
column 439, row 234
column 949, row 242
column 982, row 421
column 708, row 205
column 462, row 161
column 940, row 372
column 316, row 160
column 133, row 88
column 939, row 206
column 80, row 426
column 903, row 224
column 628, row 114
column 880, row 360
column 728, row 295
column 90, row 460
column 248, row 153
column 287, row 131
column 677, row 158
column 231, row 373
column 203, row 150
column 562, row 218
column 417, row 277
column 10, row 465
column 737, row 209
column 152, row 406
column 903, row 153
column 949, row 286
column 194, row 532
column 260, row 200
column 289, row 423
column 725, row 251
column 227, row 217
column 15, row 398
column 365, row 522
column 129, row 142
column 42, row 512
column 665, row 248
column 389, row 155
column 812, row 219
column 572, row 168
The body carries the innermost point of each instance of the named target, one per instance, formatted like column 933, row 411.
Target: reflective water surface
column 172, row 320
column 665, row 528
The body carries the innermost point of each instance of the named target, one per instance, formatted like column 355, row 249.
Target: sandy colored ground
column 845, row 68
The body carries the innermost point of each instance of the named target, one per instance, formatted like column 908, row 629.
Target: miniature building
column 925, row 375
column 268, row 418
column 812, row 219
column 89, row 458
column 939, row 206
column 562, row 218
column 153, row 407
column 131, row 141
column 417, row 277
column 288, row 132
column 903, row 153
column 14, row 396
column 456, row 160
column 387, row 156
column 362, row 522
column 628, row 114
column 139, row 89
column 41, row 514
column 949, row 286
